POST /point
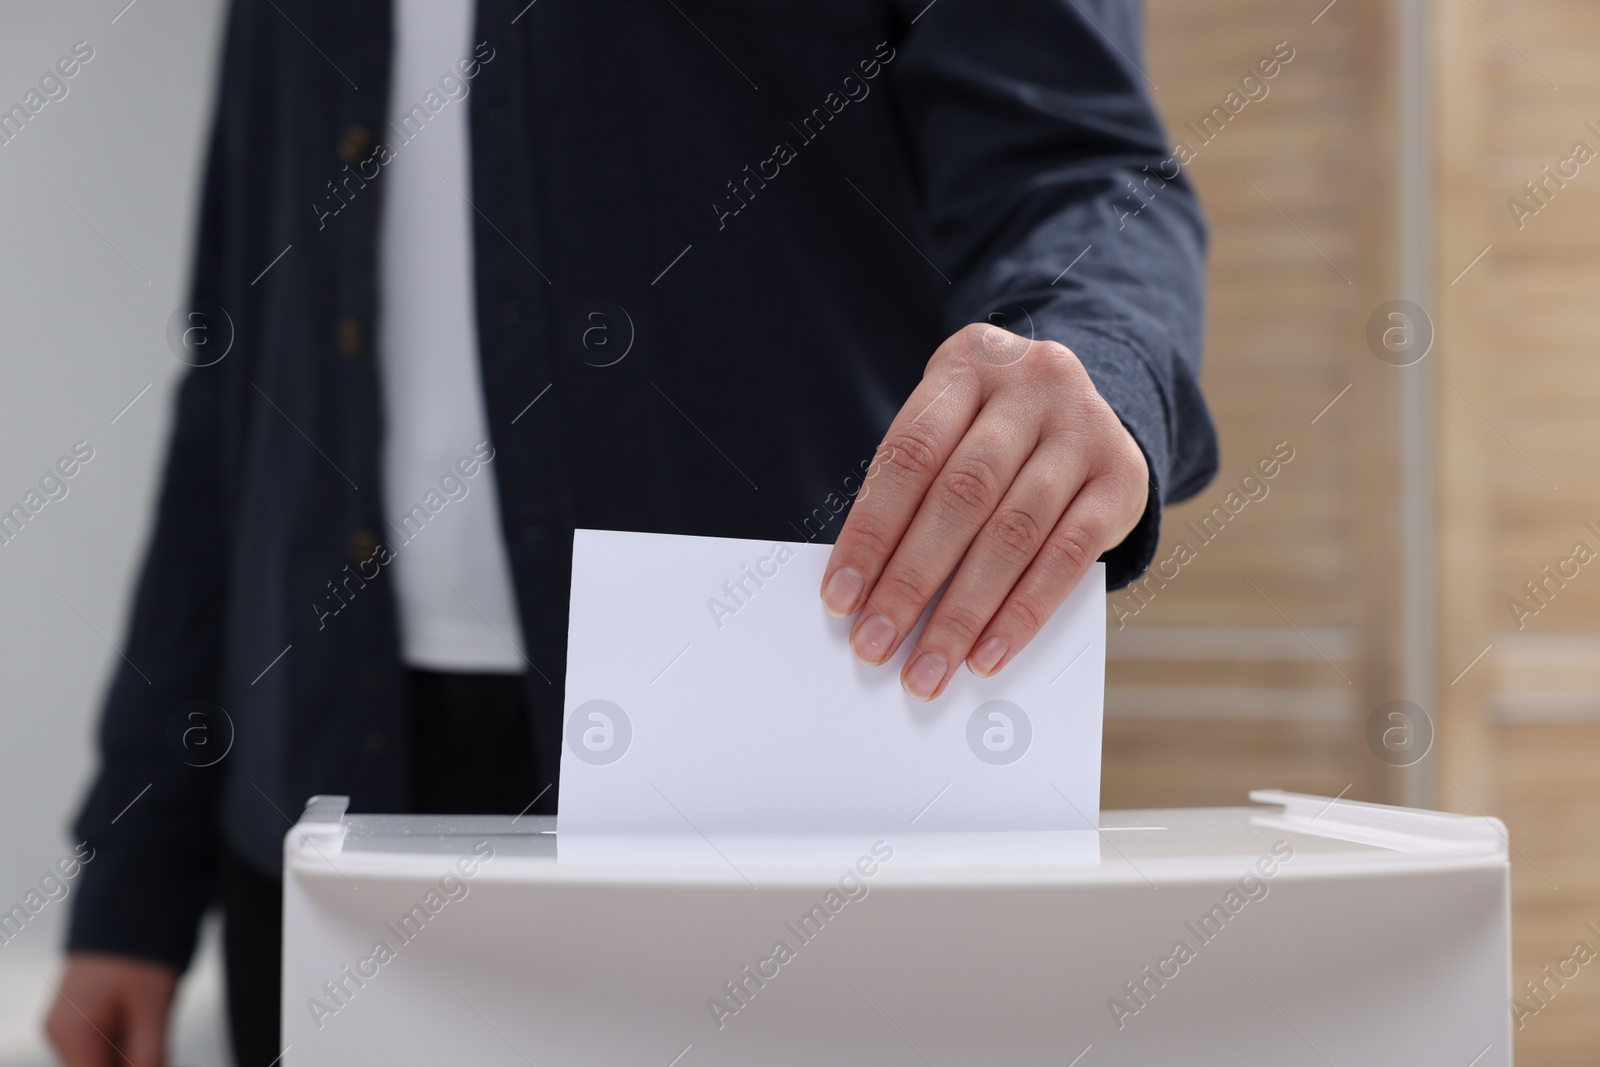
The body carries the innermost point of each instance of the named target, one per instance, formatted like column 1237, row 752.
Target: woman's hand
column 1006, row 469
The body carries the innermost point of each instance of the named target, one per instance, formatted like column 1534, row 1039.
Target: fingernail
column 987, row 656
column 841, row 592
column 873, row 641
column 925, row 675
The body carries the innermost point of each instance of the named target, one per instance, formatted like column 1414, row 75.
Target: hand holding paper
column 1006, row 469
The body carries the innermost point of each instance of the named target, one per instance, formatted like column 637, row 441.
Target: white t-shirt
column 452, row 578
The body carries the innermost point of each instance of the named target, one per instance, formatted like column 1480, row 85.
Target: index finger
column 919, row 442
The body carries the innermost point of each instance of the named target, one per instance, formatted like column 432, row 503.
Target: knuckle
column 1053, row 368
column 972, row 342
column 969, row 485
column 1056, row 352
column 913, row 452
column 1127, row 462
column 1015, row 534
column 902, row 586
column 1056, row 359
column 973, row 333
column 1123, row 480
column 1132, row 462
column 1028, row 612
column 1132, row 482
column 1071, row 549
column 868, row 536
column 956, row 624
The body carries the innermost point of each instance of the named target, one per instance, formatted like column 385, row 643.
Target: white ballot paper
column 708, row 692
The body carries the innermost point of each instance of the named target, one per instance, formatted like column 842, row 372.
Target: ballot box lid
column 1327, row 836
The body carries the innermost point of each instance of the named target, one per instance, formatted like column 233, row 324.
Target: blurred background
column 1406, row 616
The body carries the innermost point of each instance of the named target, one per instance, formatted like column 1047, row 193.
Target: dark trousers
column 472, row 753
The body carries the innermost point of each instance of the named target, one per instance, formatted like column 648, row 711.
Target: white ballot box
column 1300, row 931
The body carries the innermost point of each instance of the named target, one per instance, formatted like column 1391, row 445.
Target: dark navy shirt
column 778, row 209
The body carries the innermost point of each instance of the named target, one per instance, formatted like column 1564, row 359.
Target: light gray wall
column 84, row 301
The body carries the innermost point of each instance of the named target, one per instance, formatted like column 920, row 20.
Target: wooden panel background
column 1259, row 663
column 1519, row 404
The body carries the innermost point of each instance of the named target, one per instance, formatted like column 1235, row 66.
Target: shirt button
column 354, row 143
column 531, row 533
column 352, row 339
column 376, row 743
column 363, row 543
column 508, row 311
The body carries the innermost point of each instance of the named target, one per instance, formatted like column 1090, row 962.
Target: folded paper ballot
column 708, row 693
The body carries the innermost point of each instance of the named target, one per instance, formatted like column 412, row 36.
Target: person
column 471, row 277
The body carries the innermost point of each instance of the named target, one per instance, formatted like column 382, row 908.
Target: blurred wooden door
column 1257, row 653
column 1267, row 650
